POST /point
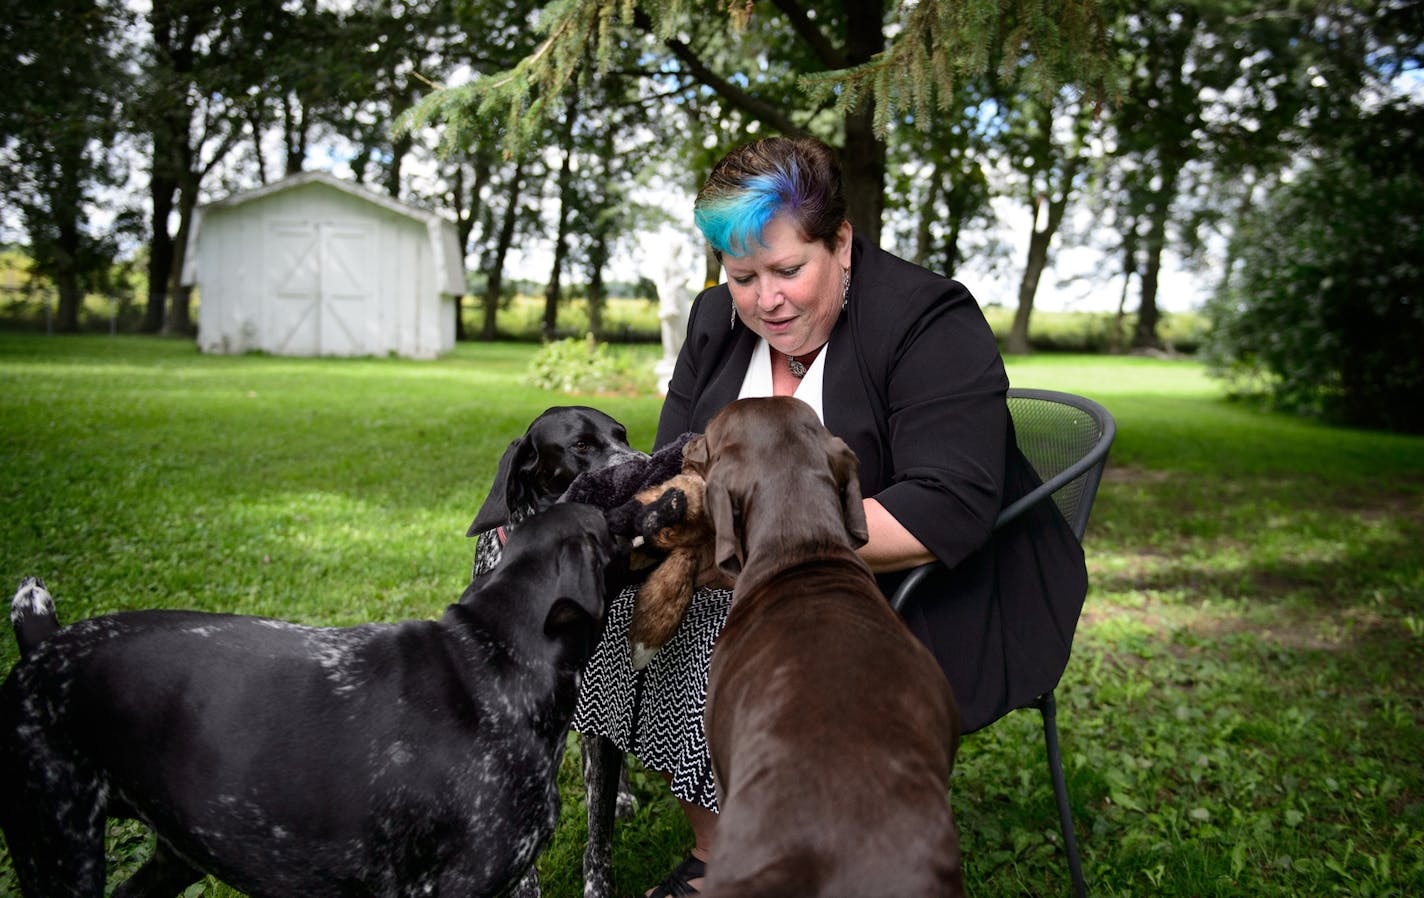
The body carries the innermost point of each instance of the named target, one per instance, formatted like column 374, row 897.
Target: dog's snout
column 622, row 456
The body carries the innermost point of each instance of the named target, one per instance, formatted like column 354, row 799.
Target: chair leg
column 1049, row 709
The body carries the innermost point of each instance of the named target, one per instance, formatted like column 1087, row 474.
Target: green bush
column 1326, row 313
column 581, row 365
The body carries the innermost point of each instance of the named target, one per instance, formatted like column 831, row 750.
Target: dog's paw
column 663, row 512
column 31, row 600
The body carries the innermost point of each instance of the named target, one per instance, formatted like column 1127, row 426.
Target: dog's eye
column 582, row 445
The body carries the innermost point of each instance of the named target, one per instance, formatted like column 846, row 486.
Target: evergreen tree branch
column 939, row 44
column 942, row 44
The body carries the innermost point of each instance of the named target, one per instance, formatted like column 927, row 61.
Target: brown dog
column 832, row 730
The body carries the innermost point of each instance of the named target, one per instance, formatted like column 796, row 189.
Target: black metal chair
column 1066, row 438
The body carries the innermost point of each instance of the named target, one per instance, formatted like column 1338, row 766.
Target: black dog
column 536, row 468
column 379, row 760
column 534, row 472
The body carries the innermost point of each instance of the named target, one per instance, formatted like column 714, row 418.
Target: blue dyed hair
column 732, row 221
column 754, row 183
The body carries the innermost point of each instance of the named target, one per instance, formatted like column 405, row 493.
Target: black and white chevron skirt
column 654, row 714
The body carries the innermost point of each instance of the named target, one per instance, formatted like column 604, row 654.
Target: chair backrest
column 1066, row 438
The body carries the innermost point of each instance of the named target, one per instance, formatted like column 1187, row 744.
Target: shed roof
column 444, row 242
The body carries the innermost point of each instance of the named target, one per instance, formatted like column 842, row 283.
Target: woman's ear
column 843, row 235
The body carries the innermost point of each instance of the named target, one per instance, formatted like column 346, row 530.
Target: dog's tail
column 32, row 614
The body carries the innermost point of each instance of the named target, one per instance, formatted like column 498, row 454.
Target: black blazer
column 915, row 385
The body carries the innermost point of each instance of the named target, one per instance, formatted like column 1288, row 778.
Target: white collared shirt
column 758, row 379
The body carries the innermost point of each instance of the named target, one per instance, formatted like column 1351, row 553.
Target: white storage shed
column 314, row 265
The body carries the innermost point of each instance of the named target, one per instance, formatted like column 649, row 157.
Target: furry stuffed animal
column 655, row 512
column 613, row 489
column 673, row 519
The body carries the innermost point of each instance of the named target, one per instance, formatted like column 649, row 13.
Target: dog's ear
column 528, row 490
column 694, row 455
column 579, row 590
column 845, row 467
column 727, row 547
column 495, row 510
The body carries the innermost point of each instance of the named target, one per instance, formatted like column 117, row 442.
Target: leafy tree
column 1047, row 141
column 867, row 66
column 192, row 107
column 1216, row 95
column 67, row 73
column 1326, row 313
column 939, row 188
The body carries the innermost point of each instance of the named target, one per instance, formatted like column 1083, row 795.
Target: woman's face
column 788, row 289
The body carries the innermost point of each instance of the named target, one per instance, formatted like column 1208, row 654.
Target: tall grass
column 1241, row 715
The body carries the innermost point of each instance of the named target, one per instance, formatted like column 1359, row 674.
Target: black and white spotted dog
column 534, row 472
column 406, row 759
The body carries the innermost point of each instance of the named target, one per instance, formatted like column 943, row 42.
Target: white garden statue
column 677, row 264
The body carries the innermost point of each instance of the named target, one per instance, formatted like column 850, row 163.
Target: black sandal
column 676, row 883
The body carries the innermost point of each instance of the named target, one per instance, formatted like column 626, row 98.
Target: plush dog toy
column 613, row 490
column 655, row 510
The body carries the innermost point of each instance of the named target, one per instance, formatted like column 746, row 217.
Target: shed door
column 322, row 288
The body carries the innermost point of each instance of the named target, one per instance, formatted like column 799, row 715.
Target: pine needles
column 932, row 47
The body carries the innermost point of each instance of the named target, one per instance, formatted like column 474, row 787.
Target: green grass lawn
column 1241, row 716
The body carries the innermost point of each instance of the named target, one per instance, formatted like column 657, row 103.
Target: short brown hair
column 753, row 183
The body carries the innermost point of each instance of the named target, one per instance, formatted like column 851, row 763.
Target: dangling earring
column 845, row 287
column 732, row 325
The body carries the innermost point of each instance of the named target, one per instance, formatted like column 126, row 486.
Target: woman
column 899, row 363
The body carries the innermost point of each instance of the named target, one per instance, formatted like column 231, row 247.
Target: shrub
column 1326, row 312
column 581, row 365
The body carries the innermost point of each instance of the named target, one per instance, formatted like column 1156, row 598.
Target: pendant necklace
column 797, row 364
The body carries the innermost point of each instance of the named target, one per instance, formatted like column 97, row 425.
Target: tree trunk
column 1144, row 336
column 506, row 239
column 1115, row 341
column 929, row 213
column 957, row 206
column 161, row 188
column 457, row 191
column 170, row 134
column 294, row 133
column 713, row 267
column 1018, row 343
column 254, row 121
column 597, row 259
column 553, row 288
column 863, row 168
column 399, row 148
column 180, row 320
column 1129, row 268
column 71, row 295
column 863, row 156
column 466, row 214
column 1050, row 212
